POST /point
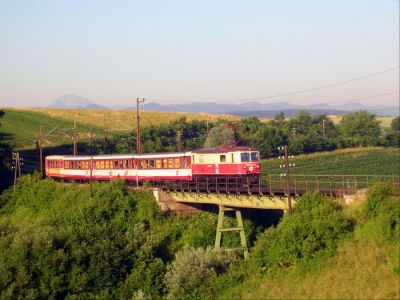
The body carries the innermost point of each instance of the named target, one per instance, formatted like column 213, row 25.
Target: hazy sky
column 182, row 51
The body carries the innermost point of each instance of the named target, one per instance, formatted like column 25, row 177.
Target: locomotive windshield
column 245, row 157
column 255, row 157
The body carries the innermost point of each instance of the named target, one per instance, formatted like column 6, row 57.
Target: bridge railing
column 343, row 184
column 334, row 185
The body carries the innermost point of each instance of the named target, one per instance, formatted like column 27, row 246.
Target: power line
column 303, row 90
column 364, row 98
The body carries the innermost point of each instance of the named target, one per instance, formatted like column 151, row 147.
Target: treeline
column 303, row 134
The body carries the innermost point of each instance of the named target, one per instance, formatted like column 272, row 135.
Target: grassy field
column 23, row 124
column 355, row 161
column 385, row 121
column 125, row 119
column 363, row 267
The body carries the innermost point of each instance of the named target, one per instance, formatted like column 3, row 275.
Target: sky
column 198, row 51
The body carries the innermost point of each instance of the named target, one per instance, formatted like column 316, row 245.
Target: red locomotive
column 215, row 162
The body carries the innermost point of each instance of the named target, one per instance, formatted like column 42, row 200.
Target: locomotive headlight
column 251, row 169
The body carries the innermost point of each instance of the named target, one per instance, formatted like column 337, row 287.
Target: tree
column 395, row 125
column 220, row 136
column 362, row 127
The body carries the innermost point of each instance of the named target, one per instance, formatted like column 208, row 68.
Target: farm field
column 385, row 121
column 355, row 161
column 22, row 125
column 125, row 119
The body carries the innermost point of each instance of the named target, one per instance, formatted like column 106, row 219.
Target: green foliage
column 314, row 228
column 220, row 136
column 385, row 209
column 395, row 124
column 57, row 241
column 192, row 269
column 362, row 127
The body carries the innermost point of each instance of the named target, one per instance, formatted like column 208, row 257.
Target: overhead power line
column 301, row 91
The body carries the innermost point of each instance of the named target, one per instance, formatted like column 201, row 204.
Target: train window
column 165, row 163
column 117, row 164
column 158, row 163
column 222, row 158
column 170, row 163
column 232, row 158
column 244, row 157
column 102, row 164
column 201, row 158
column 151, row 164
column 125, row 164
column 254, row 156
column 187, row 162
column 177, row 163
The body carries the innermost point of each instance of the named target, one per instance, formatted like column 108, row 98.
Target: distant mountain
column 287, row 112
column 70, row 101
column 253, row 108
column 213, row 107
column 269, row 109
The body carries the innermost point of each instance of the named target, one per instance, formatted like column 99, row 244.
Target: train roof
column 120, row 156
column 224, row 150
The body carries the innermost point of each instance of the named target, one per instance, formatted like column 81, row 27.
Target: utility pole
column 17, row 167
column 287, row 175
column 91, row 163
column 75, row 147
column 138, row 136
column 105, row 133
column 41, row 150
column 178, row 140
column 324, row 127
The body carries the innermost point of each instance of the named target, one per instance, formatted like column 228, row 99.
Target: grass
column 385, row 121
column 22, row 128
column 354, row 161
column 22, row 125
column 125, row 119
column 359, row 270
column 365, row 266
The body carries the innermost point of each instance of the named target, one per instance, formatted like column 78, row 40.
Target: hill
column 22, row 125
column 70, row 101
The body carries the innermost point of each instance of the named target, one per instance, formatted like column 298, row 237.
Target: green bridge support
column 239, row 228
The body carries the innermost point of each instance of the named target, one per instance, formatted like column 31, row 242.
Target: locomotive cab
column 240, row 161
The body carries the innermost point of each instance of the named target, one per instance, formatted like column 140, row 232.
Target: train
column 236, row 162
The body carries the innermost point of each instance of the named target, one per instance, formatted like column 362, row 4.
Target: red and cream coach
column 232, row 162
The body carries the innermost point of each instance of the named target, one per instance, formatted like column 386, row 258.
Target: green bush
column 189, row 273
column 315, row 227
column 56, row 241
column 384, row 208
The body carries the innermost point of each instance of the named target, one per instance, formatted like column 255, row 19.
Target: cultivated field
column 23, row 124
column 355, row 161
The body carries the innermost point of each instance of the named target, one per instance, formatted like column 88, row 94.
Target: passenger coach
column 232, row 162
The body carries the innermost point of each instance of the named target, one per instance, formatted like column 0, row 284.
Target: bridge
column 269, row 192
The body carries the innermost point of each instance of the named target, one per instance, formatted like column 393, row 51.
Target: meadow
column 23, row 124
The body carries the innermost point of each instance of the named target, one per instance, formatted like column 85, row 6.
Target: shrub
column 314, row 228
column 384, row 209
column 192, row 268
